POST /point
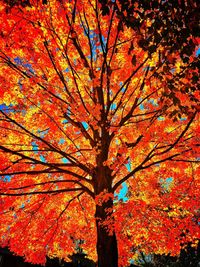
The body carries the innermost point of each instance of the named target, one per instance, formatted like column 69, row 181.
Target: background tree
column 86, row 107
column 189, row 256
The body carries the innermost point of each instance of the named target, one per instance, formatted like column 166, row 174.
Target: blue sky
column 198, row 52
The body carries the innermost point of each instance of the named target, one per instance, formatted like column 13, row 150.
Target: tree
column 84, row 108
column 189, row 256
column 172, row 21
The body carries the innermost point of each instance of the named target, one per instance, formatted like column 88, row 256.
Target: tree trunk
column 106, row 241
column 107, row 250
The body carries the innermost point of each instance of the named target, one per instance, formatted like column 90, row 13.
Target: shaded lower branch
column 42, row 192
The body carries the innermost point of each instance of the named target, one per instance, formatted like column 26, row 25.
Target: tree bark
column 107, row 250
column 106, row 240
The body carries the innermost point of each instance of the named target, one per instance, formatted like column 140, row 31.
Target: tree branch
column 42, row 192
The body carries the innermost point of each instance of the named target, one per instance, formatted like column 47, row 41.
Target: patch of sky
column 166, row 183
column 160, row 118
column 124, row 190
column 64, row 160
column 141, row 106
column 6, row 178
column 198, row 52
column 123, row 88
column 28, row 66
column 128, row 165
column 61, row 141
column 152, row 101
column 122, row 193
column 42, row 133
column 6, row 108
column 94, row 38
column 183, row 119
column 172, row 70
column 66, row 70
column 85, row 125
column 42, row 158
column 18, row 61
column 64, row 121
column 3, row 106
column 78, row 153
column 104, row 39
column 34, row 147
column 113, row 106
column 169, row 180
column 22, row 206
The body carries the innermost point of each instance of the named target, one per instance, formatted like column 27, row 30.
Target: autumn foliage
column 85, row 108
